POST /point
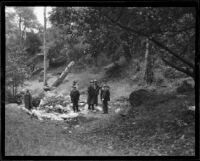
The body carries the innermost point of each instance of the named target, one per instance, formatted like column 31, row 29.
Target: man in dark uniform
column 105, row 97
column 91, row 96
column 97, row 88
column 74, row 94
column 28, row 100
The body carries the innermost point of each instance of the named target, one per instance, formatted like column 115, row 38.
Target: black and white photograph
column 100, row 81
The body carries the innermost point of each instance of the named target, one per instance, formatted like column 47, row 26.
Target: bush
column 171, row 73
column 9, row 98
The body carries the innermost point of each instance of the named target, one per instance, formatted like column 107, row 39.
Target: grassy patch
column 153, row 128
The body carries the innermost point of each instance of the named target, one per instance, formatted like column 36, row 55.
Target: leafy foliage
column 123, row 30
column 33, row 43
column 20, row 45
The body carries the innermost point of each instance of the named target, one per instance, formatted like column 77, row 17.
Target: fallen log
column 63, row 75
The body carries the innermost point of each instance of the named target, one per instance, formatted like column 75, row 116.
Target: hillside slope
column 161, row 125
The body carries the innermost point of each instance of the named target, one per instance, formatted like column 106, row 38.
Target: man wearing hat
column 75, row 83
column 91, row 96
column 28, row 100
column 74, row 94
column 97, row 88
column 105, row 97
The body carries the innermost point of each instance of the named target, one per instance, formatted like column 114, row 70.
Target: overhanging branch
column 187, row 72
column 151, row 39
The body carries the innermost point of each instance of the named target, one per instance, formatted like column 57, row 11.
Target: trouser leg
column 105, row 106
column 96, row 101
column 74, row 108
column 77, row 107
column 92, row 106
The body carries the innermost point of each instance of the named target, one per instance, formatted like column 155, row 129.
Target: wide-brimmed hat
column 91, row 81
column 95, row 80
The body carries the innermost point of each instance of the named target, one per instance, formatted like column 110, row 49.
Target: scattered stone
column 117, row 110
column 77, row 126
column 191, row 108
column 99, row 108
column 182, row 137
column 180, row 96
column 110, row 147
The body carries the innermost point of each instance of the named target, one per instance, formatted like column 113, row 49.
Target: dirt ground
column 149, row 129
column 161, row 125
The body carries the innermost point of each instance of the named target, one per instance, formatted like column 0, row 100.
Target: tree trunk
column 45, row 65
column 148, row 76
column 20, row 32
column 127, row 52
column 96, row 60
column 13, row 89
column 63, row 75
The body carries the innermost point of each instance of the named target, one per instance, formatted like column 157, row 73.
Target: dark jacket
column 91, row 95
column 74, row 94
column 28, row 101
column 97, row 88
column 105, row 95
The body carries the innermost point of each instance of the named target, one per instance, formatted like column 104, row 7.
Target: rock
column 42, row 102
column 82, row 103
column 50, row 94
column 191, row 108
column 117, row 110
column 184, row 87
column 181, row 96
column 77, row 126
column 99, row 108
column 110, row 147
column 64, row 116
column 137, row 97
column 86, row 107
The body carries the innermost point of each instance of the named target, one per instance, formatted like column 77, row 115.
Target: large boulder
column 184, row 87
column 136, row 98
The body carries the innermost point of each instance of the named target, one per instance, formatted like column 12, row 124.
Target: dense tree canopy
column 83, row 34
column 170, row 29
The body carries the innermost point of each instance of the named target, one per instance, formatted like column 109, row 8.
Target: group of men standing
column 93, row 92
